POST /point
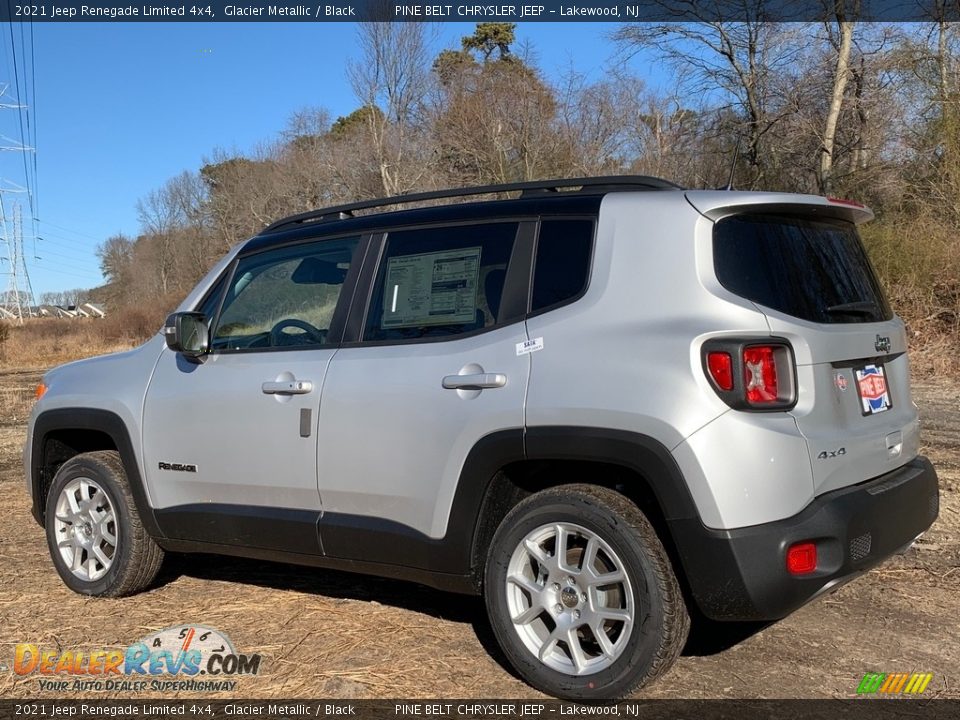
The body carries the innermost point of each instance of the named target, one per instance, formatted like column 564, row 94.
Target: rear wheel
column 581, row 594
column 96, row 540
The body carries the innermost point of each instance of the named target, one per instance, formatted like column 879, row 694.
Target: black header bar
column 479, row 11
column 200, row 707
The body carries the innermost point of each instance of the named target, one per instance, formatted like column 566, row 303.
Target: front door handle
column 478, row 381
column 287, row 387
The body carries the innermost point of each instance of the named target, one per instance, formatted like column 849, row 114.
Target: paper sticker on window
column 438, row 288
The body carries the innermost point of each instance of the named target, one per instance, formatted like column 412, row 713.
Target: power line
column 16, row 77
column 33, row 98
column 29, row 140
column 83, row 276
column 60, row 227
column 42, row 253
column 19, row 296
column 72, row 247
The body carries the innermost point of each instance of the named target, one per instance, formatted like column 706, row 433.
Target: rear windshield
column 811, row 269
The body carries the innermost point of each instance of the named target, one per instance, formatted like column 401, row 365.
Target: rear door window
column 440, row 282
column 815, row 270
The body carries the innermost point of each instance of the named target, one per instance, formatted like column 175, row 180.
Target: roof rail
column 538, row 187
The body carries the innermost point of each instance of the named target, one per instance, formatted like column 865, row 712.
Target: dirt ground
column 328, row 634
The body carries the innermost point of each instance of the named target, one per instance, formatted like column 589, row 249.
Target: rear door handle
column 478, row 381
column 287, row 387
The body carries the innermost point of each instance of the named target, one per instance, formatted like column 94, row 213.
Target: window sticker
column 528, row 346
column 438, row 288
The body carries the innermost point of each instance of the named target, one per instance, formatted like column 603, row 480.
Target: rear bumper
column 741, row 574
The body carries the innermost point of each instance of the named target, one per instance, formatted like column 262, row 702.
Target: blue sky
column 120, row 108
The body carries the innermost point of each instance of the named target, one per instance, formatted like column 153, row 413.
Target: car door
column 230, row 443
column 439, row 365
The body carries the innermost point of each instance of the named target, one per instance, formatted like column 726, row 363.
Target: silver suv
column 606, row 405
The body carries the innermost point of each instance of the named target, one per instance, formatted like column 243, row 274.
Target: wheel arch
column 636, row 465
column 63, row 433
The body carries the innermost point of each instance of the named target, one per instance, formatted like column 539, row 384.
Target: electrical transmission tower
column 17, row 301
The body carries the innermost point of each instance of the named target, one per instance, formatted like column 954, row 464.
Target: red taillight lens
column 752, row 374
column 802, row 558
column 844, row 201
column 760, row 375
column 720, row 365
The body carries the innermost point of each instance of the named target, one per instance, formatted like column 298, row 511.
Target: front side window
column 440, row 282
column 284, row 297
column 212, row 300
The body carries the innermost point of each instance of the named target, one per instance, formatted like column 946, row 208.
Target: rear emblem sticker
column 840, row 380
column 872, row 386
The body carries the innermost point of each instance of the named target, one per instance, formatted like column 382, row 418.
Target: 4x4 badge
column 882, row 344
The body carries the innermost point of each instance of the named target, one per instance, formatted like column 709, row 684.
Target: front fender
column 84, row 420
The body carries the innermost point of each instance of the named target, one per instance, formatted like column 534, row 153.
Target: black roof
column 541, row 197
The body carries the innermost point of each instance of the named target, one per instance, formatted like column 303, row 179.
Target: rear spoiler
column 717, row 204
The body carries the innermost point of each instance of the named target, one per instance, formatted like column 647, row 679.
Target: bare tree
column 842, row 46
column 64, row 298
column 116, row 264
column 393, row 76
column 495, row 119
column 747, row 61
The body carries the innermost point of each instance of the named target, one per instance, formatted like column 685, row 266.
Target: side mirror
column 187, row 334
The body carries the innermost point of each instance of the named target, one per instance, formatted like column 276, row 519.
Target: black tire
column 136, row 558
column 660, row 623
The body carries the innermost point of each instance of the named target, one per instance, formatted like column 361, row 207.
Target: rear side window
column 440, row 282
column 815, row 270
column 563, row 262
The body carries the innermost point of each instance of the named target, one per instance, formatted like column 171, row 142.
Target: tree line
column 868, row 111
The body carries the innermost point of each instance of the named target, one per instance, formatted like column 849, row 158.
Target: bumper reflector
column 802, row 558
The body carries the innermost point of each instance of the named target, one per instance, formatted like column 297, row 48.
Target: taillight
column 751, row 375
column 802, row 558
column 844, row 201
column 720, row 365
column 760, row 375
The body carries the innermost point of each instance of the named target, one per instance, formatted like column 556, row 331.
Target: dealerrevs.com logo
column 178, row 658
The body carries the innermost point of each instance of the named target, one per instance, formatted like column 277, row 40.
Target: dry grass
column 52, row 341
column 15, row 403
column 918, row 261
column 330, row 634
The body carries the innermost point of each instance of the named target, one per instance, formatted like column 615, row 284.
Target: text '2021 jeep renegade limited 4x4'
column 602, row 408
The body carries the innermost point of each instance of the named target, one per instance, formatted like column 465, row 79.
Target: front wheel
column 581, row 594
column 97, row 542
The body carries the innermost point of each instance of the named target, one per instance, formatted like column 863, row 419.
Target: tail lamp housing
column 756, row 374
